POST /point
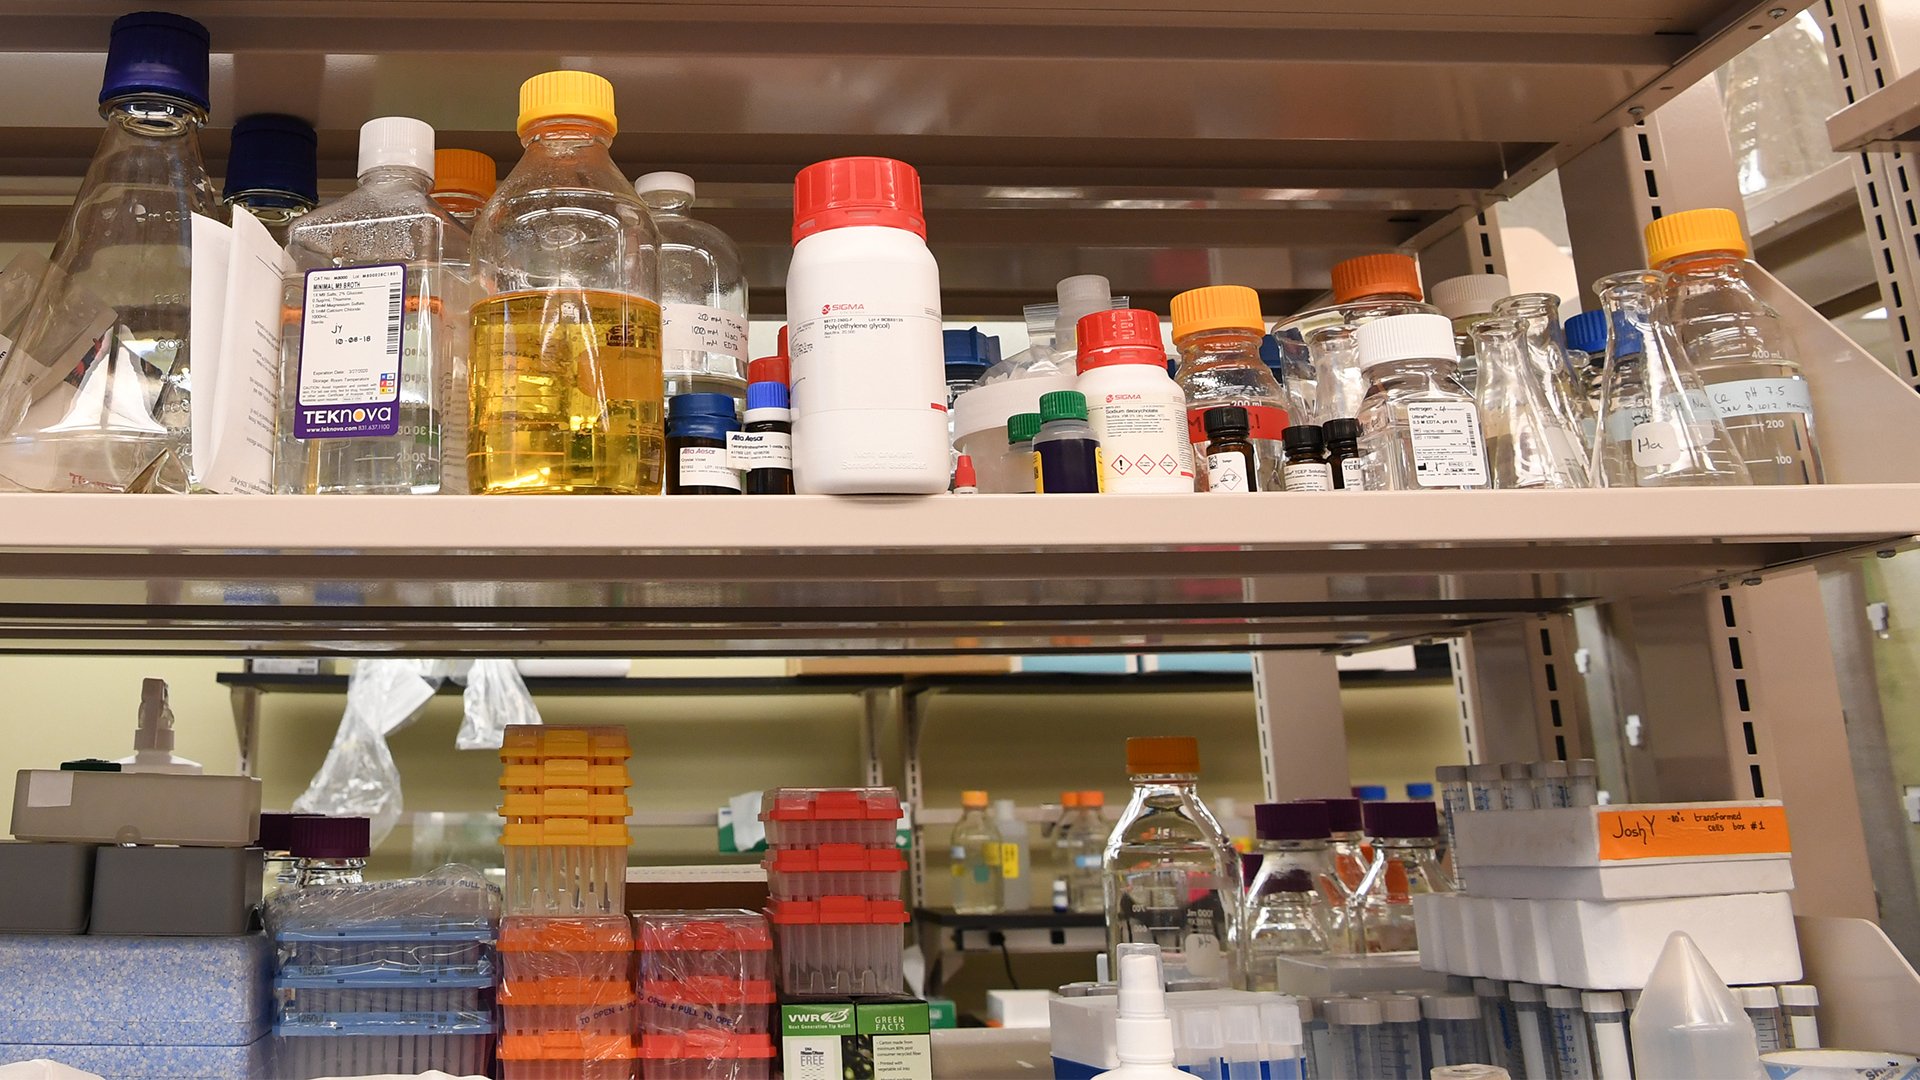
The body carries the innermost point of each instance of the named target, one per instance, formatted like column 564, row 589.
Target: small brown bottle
column 1306, row 468
column 1229, row 463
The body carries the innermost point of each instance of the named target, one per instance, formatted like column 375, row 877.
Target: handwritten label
column 1682, row 833
column 1657, row 443
column 1760, row 397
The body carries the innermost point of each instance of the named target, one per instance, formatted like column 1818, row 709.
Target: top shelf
column 1887, row 119
column 1106, row 137
column 531, row 576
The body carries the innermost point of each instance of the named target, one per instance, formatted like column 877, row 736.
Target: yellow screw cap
column 467, row 172
column 578, row 95
column 1692, row 232
column 1217, row 307
column 973, row 800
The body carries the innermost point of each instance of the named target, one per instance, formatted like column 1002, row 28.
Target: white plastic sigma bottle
column 863, row 308
column 1138, row 412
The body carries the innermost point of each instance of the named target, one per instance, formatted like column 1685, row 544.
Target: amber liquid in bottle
column 567, row 394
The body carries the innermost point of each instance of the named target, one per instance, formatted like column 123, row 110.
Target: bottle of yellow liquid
column 565, row 376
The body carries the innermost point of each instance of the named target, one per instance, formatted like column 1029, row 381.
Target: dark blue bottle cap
column 701, row 426
column 1587, row 332
column 686, row 405
column 768, row 395
column 273, row 153
column 1270, row 352
column 1370, row 792
column 159, row 53
column 1418, row 790
column 971, row 348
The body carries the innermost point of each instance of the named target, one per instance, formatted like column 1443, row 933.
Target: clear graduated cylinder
column 565, row 382
column 1530, row 443
column 1171, row 878
column 1658, row 427
column 1738, row 344
column 1420, row 428
column 384, row 257
column 95, row 394
column 703, row 294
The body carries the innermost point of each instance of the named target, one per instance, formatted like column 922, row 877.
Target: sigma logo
column 1111, row 398
column 378, row 414
column 828, row 309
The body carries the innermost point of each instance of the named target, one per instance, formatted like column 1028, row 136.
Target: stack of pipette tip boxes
column 706, row 995
column 566, row 996
column 385, row 977
column 833, row 873
column 1557, row 893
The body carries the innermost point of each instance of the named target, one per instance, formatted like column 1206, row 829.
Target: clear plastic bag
column 359, row 777
column 495, row 699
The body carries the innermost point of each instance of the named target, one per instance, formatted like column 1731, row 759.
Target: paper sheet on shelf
column 237, row 280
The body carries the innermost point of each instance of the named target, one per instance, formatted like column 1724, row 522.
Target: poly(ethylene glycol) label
column 1658, row 443
column 749, row 450
column 1140, row 440
column 1307, row 476
column 1682, row 832
column 1756, row 397
column 699, row 328
column 863, row 360
column 1448, row 450
column 350, row 350
column 707, row 466
column 1227, row 472
column 1353, row 477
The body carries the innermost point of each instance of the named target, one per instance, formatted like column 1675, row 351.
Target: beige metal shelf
column 1147, row 140
column 1886, row 120
column 796, row 575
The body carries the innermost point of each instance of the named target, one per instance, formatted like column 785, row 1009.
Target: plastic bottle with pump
column 271, row 170
column 94, row 395
column 153, row 738
column 703, row 294
column 863, row 297
column 1687, row 1024
column 1142, row 1030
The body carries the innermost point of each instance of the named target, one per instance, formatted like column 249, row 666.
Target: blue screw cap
column 157, row 52
column 971, row 348
column 768, row 395
column 273, row 153
column 1587, row 332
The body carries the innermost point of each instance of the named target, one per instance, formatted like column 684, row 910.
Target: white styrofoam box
column 1018, row 1008
column 1081, row 1030
column 1491, row 947
column 1634, row 851
column 1705, row 877
column 1612, row 944
column 1463, row 946
column 574, row 668
column 189, row 810
column 1429, row 920
column 1538, row 966
column 1327, row 976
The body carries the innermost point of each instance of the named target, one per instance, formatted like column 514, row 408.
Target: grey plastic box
column 48, row 887
column 175, row 891
column 136, row 808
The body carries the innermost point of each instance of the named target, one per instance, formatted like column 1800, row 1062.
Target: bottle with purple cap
column 331, row 850
column 94, row 395
column 1288, row 910
column 1405, row 837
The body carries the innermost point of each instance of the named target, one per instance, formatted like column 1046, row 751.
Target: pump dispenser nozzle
column 153, row 738
column 1143, row 1032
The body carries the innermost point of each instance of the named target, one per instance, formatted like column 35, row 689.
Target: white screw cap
column 396, row 140
column 1469, row 294
column 1405, row 337
column 664, row 181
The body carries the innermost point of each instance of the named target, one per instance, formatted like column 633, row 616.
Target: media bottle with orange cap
column 1319, row 353
column 565, row 376
column 463, row 181
column 1738, row 345
column 374, row 328
column 1218, row 331
column 1171, row 877
column 869, row 362
column 975, row 857
column 1138, row 413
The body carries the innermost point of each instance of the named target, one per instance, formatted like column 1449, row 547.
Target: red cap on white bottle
column 848, row 191
column 1124, row 336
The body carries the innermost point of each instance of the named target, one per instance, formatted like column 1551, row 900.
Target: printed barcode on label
column 396, row 306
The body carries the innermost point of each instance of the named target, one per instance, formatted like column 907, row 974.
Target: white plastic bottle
column 1687, row 1024
column 153, row 739
column 1138, row 412
column 869, row 362
column 1142, row 1030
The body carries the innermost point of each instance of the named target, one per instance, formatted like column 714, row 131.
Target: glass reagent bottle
column 271, row 170
column 1420, row 428
column 1228, row 453
column 975, row 856
column 703, row 294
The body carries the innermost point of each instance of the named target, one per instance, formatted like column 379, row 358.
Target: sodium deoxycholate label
column 350, row 349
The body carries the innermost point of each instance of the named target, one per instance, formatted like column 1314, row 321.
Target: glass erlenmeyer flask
column 1529, row 444
column 1659, row 427
column 95, row 395
column 1545, row 345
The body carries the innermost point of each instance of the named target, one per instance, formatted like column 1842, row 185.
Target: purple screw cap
column 1343, row 815
column 1401, row 820
column 331, row 838
column 1291, row 821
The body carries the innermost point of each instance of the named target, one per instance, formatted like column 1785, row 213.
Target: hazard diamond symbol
column 1121, row 465
column 1168, row 463
column 1145, row 463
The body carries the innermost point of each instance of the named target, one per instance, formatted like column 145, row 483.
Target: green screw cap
column 1063, row 405
column 1022, row 427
